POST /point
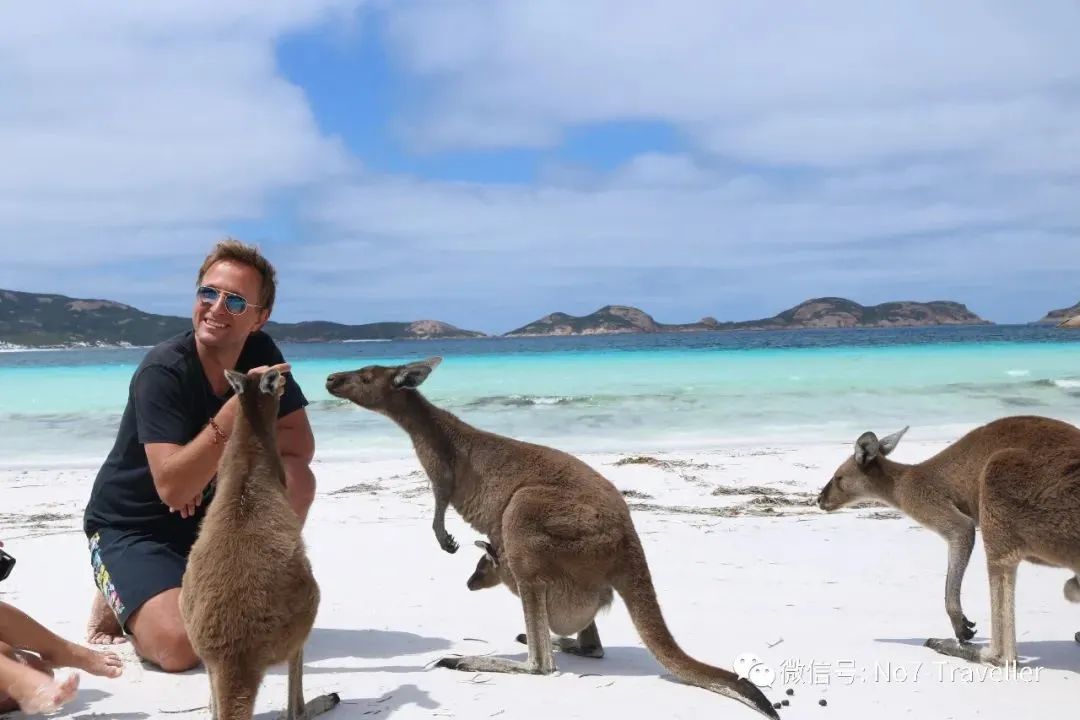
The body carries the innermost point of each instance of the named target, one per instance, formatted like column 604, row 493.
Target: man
column 150, row 494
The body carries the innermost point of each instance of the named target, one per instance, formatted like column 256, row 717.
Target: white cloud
column 685, row 242
column 141, row 129
column 914, row 150
column 798, row 83
column 923, row 149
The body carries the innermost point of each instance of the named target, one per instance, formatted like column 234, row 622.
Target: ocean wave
column 1022, row 402
column 332, row 403
column 534, row 400
column 1071, row 386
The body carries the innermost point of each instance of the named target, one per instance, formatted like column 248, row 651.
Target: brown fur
column 570, row 610
column 1016, row 477
column 563, row 532
column 248, row 597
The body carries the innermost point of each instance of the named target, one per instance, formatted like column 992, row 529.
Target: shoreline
column 391, row 445
column 6, row 347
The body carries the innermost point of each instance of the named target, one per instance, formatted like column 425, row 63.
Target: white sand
column 856, row 592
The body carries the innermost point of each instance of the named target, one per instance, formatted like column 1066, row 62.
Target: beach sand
column 838, row 605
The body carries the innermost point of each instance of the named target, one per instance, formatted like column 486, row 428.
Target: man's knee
column 171, row 651
column 159, row 633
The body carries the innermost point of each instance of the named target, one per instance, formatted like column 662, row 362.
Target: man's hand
column 188, row 510
column 280, row 367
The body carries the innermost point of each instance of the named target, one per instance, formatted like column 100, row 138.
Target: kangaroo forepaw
column 965, row 630
column 448, row 543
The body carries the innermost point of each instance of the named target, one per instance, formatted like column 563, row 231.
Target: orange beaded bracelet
column 219, row 434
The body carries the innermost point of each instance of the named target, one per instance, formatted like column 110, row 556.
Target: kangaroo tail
column 1072, row 589
column 635, row 587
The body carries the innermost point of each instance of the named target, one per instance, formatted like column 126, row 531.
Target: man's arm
column 296, row 444
column 181, row 472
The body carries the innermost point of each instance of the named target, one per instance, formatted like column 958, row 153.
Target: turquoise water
column 609, row 393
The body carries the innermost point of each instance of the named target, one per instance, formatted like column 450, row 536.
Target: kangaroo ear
column 889, row 443
column 867, row 448
column 411, row 375
column 272, row 382
column 489, row 551
column 236, row 380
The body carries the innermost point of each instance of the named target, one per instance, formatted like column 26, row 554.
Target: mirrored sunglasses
column 235, row 304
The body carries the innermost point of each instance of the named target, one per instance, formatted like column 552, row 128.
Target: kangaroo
column 248, row 597
column 564, row 609
column 1018, row 478
column 564, row 532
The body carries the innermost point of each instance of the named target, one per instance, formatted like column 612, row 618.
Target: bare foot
column 36, row 692
column 95, row 662
column 103, row 627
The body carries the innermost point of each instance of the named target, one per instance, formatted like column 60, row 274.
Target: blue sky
column 486, row 163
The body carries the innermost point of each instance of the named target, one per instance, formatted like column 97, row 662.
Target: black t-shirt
column 169, row 401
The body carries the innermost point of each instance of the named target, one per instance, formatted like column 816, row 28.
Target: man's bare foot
column 36, row 692
column 103, row 627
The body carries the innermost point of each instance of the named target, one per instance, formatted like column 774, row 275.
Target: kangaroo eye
column 838, row 480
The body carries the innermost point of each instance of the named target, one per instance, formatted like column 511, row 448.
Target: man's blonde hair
column 238, row 252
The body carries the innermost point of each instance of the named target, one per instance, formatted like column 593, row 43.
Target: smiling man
column 151, row 492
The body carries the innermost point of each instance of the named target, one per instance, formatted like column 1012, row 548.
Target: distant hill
column 609, row 319
column 1055, row 317
column 815, row 313
column 35, row 320
column 325, row 331
column 833, row 312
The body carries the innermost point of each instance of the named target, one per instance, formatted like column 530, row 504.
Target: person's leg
column 159, row 635
column 139, row 577
column 23, row 632
column 8, row 703
column 27, row 687
column 103, row 627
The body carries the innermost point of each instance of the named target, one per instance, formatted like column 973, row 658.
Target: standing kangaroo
column 563, row 531
column 248, row 597
column 1018, row 478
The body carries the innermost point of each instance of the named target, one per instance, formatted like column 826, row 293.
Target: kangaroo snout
column 334, row 381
